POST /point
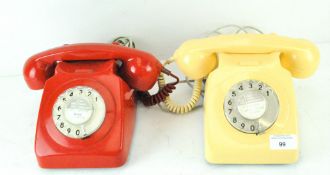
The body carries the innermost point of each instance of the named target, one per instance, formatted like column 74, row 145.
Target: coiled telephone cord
column 181, row 108
column 162, row 94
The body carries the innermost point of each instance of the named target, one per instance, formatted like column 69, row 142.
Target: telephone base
column 109, row 145
column 225, row 144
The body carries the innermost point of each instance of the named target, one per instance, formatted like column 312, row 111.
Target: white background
column 163, row 143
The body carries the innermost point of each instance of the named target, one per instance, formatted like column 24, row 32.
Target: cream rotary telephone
column 250, row 110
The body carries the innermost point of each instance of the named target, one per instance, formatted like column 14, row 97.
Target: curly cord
column 177, row 108
column 160, row 96
column 192, row 86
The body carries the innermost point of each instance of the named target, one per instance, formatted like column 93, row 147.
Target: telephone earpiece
column 140, row 73
column 301, row 63
column 202, row 63
column 36, row 73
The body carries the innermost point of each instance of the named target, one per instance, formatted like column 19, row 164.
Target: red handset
column 141, row 69
column 87, row 111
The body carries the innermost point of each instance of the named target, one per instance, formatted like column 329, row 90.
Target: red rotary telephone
column 87, row 111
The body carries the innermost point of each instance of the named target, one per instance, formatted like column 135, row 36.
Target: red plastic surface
column 109, row 145
column 140, row 69
column 91, row 65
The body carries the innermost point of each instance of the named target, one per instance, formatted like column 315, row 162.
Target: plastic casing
column 93, row 65
column 229, row 59
column 223, row 143
column 109, row 145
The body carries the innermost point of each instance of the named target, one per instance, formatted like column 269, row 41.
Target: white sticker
column 283, row 142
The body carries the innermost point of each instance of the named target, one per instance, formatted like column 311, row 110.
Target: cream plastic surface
column 223, row 143
column 197, row 58
column 228, row 59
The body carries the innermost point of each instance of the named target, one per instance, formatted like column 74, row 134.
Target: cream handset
column 250, row 109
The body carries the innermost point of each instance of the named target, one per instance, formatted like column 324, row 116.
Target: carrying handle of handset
column 197, row 58
column 141, row 69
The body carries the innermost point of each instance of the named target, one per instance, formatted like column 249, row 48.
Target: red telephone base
column 109, row 145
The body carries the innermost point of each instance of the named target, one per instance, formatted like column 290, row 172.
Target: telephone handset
column 197, row 58
column 87, row 111
column 249, row 105
column 140, row 69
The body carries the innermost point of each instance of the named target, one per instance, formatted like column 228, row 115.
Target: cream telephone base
column 250, row 110
column 228, row 145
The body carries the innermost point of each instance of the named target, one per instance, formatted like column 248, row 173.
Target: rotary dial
column 78, row 112
column 251, row 106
